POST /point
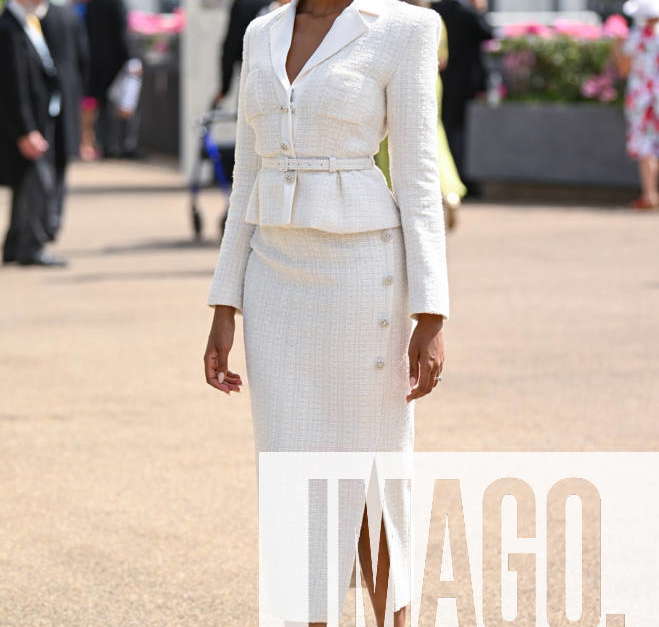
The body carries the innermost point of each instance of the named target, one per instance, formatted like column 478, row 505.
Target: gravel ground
column 128, row 487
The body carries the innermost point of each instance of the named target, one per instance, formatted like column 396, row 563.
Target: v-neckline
column 320, row 43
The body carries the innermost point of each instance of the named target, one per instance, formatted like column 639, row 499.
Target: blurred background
column 127, row 485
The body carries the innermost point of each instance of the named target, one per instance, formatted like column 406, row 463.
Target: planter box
column 577, row 144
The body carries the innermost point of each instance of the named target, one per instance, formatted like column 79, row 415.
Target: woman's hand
column 426, row 353
column 220, row 341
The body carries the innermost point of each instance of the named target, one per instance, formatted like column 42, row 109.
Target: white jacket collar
column 352, row 22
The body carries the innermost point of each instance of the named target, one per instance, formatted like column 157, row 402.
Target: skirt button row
column 388, row 280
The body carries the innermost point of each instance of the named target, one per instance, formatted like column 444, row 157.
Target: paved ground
column 127, row 486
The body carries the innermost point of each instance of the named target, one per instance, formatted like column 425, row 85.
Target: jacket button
column 284, row 146
column 379, row 364
column 386, row 235
column 290, row 177
column 388, row 280
column 384, row 322
column 283, row 108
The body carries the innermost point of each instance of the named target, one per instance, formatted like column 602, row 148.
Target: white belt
column 330, row 164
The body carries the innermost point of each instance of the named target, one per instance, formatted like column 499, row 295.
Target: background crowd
column 127, row 487
column 59, row 64
column 71, row 78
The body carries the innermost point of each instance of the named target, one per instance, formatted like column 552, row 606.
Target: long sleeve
column 227, row 284
column 413, row 158
column 18, row 117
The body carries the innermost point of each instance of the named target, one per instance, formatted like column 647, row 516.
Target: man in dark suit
column 30, row 102
column 67, row 40
column 464, row 76
column 242, row 13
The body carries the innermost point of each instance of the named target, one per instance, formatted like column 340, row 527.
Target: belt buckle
column 283, row 164
column 332, row 164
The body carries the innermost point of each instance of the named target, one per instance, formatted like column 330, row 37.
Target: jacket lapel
column 29, row 45
column 349, row 25
column 345, row 28
column 281, row 34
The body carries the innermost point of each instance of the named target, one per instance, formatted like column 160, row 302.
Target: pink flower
column 492, row 45
column 156, row 23
column 600, row 87
column 527, row 29
column 590, row 88
column 616, row 26
column 578, row 30
column 609, row 94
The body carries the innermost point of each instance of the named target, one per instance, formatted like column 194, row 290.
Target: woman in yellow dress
column 453, row 189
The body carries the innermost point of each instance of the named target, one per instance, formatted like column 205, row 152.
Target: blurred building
column 153, row 6
column 598, row 6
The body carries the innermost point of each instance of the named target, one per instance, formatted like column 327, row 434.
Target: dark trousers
column 57, row 215
column 34, row 210
column 115, row 135
column 455, row 126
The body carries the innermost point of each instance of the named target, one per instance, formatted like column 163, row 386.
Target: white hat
column 642, row 9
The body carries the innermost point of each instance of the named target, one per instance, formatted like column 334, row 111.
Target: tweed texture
column 381, row 82
column 326, row 338
column 330, row 268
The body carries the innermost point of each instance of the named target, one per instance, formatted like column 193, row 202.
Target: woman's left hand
column 426, row 354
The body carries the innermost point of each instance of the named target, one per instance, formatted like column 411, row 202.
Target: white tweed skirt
column 326, row 329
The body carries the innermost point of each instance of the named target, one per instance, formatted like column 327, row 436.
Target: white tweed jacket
column 374, row 74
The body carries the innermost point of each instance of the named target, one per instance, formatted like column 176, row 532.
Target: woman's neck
column 321, row 8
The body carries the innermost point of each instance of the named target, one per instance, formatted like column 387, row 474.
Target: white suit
column 327, row 266
column 373, row 74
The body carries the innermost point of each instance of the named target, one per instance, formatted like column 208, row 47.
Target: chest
column 349, row 85
column 308, row 34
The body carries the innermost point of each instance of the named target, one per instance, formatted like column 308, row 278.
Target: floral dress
column 642, row 99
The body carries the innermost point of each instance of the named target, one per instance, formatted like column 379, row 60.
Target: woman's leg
column 88, row 149
column 649, row 173
column 378, row 593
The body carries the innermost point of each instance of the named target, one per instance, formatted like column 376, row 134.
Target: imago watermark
column 470, row 539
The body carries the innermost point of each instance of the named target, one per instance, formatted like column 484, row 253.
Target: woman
column 638, row 58
column 342, row 284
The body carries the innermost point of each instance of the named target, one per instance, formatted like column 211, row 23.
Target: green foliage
column 558, row 69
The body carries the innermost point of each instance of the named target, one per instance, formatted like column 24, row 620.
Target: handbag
column 124, row 92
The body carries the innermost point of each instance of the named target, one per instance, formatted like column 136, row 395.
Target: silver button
column 388, row 280
column 284, row 146
column 384, row 322
column 283, row 108
column 379, row 363
column 386, row 236
column 290, row 177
